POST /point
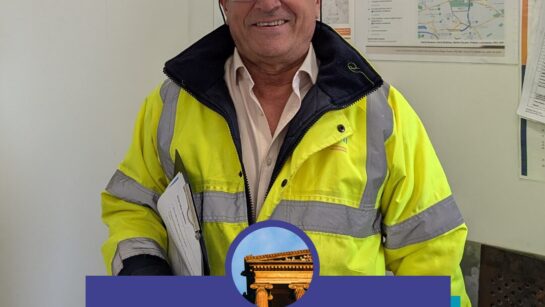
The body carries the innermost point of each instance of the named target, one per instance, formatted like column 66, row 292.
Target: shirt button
column 269, row 161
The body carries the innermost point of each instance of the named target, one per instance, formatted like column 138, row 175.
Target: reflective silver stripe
column 133, row 247
column 379, row 128
column 169, row 94
column 331, row 218
column 222, row 207
column 426, row 225
column 127, row 189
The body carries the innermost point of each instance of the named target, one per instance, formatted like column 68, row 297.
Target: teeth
column 271, row 24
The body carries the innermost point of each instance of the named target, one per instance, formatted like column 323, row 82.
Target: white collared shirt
column 259, row 148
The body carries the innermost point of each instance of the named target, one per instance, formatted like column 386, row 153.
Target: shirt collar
column 309, row 66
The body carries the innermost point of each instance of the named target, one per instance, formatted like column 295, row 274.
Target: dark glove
column 145, row 265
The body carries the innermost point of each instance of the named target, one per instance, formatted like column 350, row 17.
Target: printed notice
column 339, row 14
column 439, row 30
column 532, row 103
column 532, row 133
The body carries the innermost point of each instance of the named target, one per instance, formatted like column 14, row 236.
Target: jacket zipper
column 249, row 202
column 250, row 210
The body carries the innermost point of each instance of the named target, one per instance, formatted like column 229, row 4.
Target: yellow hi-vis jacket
column 356, row 172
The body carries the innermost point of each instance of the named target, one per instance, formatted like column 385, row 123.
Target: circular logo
column 272, row 263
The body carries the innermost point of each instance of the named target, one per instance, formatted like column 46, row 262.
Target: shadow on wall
column 471, row 264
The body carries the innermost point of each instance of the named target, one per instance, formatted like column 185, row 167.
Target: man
column 275, row 116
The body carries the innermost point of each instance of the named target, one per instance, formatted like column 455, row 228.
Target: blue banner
column 103, row 291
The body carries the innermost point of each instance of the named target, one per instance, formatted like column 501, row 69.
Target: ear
column 223, row 5
column 223, row 10
column 317, row 7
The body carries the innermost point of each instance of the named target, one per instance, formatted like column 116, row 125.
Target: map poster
column 339, row 14
column 483, row 31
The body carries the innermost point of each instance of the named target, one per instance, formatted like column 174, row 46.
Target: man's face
column 273, row 31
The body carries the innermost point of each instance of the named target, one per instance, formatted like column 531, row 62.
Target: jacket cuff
column 145, row 265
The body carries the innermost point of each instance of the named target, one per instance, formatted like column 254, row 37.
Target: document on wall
column 532, row 133
column 178, row 212
column 483, row 31
column 532, row 103
column 339, row 14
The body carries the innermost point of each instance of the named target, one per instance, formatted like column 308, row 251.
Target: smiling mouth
column 271, row 23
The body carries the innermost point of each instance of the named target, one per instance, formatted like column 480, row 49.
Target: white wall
column 469, row 112
column 72, row 77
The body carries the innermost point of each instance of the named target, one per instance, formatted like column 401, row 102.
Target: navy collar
column 344, row 75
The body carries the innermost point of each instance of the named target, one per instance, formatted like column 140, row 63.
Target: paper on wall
column 532, row 102
column 339, row 14
column 484, row 31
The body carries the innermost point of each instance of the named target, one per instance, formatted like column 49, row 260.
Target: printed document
column 483, row 31
column 532, row 103
column 178, row 212
column 339, row 14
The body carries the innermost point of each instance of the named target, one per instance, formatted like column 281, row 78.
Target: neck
column 273, row 86
column 268, row 75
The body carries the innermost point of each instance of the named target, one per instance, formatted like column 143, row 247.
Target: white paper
column 532, row 103
column 176, row 208
column 443, row 30
column 533, row 133
column 339, row 14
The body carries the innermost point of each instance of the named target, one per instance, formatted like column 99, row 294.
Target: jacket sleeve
column 129, row 201
column 423, row 229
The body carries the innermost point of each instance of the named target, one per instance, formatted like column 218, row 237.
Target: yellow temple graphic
column 279, row 279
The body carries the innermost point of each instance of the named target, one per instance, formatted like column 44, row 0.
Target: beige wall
column 72, row 77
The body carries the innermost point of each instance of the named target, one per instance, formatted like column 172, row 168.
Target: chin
column 272, row 51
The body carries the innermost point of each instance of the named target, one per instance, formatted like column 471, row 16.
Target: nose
column 268, row 5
